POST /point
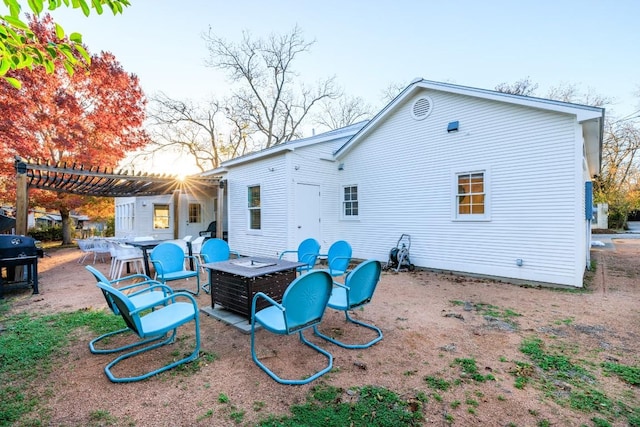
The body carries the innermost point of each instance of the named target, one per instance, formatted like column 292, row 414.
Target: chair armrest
column 168, row 298
column 266, row 297
column 340, row 285
column 154, row 262
column 286, row 252
column 148, row 283
column 195, row 261
column 165, row 288
column 131, row 277
column 236, row 253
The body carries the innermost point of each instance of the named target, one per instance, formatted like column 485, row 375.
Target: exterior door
column 307, row 212
column 192, row 218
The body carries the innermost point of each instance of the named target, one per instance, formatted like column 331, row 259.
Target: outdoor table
column 147, row 245
column 234, row 282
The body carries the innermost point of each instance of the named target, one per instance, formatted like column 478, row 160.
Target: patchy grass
column 27, row 347
column 370, row 406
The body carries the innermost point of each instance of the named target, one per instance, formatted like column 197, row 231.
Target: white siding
column 404, row 171
column 277, row 177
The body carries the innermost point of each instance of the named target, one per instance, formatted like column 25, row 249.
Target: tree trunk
column 66, row 226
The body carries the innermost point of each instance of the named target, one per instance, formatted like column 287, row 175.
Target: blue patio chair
column 358, row 289
column 214, row 250
column 338, row 258
column 166, row 317
column 169, row 261
column 303, row 305
column 307, row 252
column 141, row 294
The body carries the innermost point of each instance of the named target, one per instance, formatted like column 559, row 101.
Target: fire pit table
column 235, row 282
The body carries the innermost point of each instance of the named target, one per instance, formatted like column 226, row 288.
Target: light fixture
column 453, row 126
column 341, row 167
column 221, row 184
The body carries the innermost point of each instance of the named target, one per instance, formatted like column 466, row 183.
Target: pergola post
column 22, row 198
column 176, row 214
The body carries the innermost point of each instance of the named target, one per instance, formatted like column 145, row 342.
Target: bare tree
column 194, row 130
column 391, row 91
column 343, row 112
column 268, row 98
column 619, row 179
column 521, row 87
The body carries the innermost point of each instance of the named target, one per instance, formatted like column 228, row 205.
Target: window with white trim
column 471, row 195
column 350, row 201
column 160, row 216
column 253, row 204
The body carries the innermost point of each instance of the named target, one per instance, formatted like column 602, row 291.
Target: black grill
column 18, row 251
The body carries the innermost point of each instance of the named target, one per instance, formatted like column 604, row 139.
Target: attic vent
column 422, row 108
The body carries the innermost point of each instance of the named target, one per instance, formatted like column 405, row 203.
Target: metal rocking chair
column 308, row 251
column 169, row 261
column 141, row 294
column 166, row 317
column 357, row 291
column 303, row 305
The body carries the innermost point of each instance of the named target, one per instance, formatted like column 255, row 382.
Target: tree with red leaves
column 88, row 118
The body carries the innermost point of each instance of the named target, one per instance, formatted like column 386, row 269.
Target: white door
column 307, row 212
column 192, row 218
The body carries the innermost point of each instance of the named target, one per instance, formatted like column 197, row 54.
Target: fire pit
column 18, row 262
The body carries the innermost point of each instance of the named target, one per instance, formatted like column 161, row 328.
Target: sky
column 369, row 45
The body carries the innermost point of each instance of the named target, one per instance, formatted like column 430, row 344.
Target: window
column 471, row 195
column 195, row 213
column 254, row 207
column 350, row 201
column 160, row 216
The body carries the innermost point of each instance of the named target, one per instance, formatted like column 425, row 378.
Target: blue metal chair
column 169, row 261
column 307, row 252
column 143, row 293
column 303, row 305
column 338, row 258
column 166, row 317
column 358, row 289
column 214, row 250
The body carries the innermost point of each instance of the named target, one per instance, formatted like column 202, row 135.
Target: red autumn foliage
column 92, row 118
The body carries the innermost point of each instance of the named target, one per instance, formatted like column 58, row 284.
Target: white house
column 485, row 183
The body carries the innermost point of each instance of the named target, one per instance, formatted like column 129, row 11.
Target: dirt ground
column 428, row 319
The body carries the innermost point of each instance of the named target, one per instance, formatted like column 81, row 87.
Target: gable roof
column 591, row 118
column 332, row 135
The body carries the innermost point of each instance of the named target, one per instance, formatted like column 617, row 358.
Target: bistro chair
column 357, row 290
column 338, row 258
column 307, row 252
column 303, row 305
column 214, row 250
column 167, row 316
column 124, row 256
column 141, row 294
column 169, row 262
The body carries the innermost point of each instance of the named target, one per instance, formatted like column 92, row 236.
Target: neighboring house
column 485, row 183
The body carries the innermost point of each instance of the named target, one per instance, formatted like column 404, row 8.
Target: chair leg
column 273, row 375
column 189, row 358
column 95, row 350
column 351, row 346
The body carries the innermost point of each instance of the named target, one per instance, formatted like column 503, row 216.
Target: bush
column 48, row 234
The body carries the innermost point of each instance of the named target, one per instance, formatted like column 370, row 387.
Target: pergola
column 94, row 181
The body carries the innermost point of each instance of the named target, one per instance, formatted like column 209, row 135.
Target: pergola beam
column 94, row 182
